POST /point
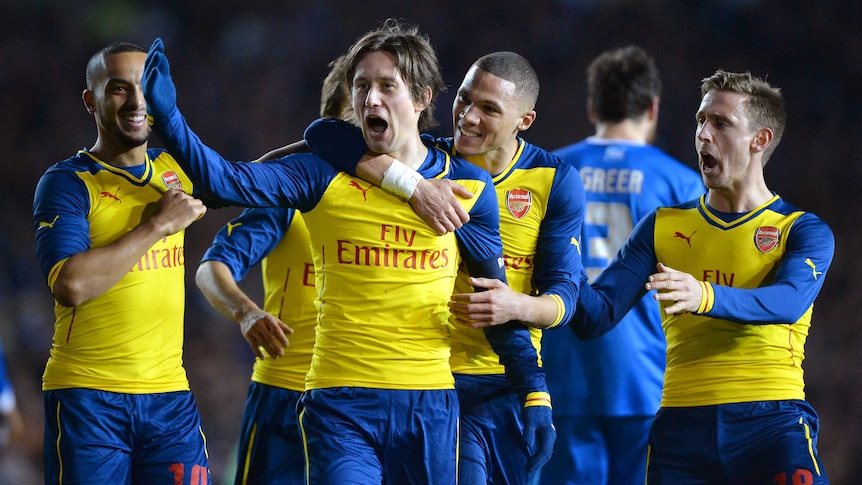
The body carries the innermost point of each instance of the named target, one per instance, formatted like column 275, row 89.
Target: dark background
column 248, row 76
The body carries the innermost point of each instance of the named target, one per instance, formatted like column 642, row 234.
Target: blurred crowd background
column 248, row 76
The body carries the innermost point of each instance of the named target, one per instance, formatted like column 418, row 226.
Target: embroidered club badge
column 766, row 238
column 171, row 180
column 519, row 201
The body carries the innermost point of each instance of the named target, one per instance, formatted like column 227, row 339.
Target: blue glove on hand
column 539, row 436
column 159, row 90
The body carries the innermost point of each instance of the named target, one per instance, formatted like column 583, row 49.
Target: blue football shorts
column 492, row 443
column 762, row 442
column 270, row 448
column 107, row 437
column 361, row 436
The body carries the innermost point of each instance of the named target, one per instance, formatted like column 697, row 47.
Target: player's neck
column 629, row 130
column 411, row 154
column 738, row 201
column 119, row 155
column 495, row 161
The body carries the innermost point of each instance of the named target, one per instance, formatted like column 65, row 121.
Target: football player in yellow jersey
column 380, row 405
column 270, row 450
column 541, row 202
column 109, row 225
column 738, row 272
column 605, row 399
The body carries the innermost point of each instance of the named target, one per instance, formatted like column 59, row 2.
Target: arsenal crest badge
column 519, row 201
column 171, row 180
column 766, row 238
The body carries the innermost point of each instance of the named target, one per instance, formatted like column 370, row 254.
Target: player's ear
column 424, row 99
column 761, row 140
column 89, row 101
column 527, row 120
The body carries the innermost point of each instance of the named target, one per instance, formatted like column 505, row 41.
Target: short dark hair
column 97, row 61
column 516, row 69
column 415, row 57
column 621, row 83
column 764, row 106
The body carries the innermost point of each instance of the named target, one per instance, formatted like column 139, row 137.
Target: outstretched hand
column 159, row 90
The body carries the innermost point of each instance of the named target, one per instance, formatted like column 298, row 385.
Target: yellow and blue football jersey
column 130, row 339
column 761, row 272
column 383, row 277
column 277, row 238
column 541, row 205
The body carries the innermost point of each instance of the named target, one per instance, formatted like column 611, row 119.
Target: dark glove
column 159, row 90
column 539, row 436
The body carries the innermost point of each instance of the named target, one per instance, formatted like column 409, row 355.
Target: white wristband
column 400, row 179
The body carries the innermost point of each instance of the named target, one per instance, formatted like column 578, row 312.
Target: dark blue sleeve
column 797, row 281
column 558, row 257
column 60, row 208
column 336, row 141
column 482, row 252
column 296, row 181
column 603, row 304
column 248, row 238
column 479, row 239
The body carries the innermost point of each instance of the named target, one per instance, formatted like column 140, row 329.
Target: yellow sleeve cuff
column 707, row 297
column 561, row 311
column 537, row 399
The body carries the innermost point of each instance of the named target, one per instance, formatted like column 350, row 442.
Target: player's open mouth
column 376, row 125
column 707, row 162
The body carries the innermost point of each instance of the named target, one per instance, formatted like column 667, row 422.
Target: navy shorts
column 107, row 437
column 270, row 447
column 492, row 443
column 763, row 442
column 360, row 436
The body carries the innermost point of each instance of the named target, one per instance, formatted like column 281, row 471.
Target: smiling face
column 486, row 116
column 724, row 142
column 117, row 100
column 383, row 104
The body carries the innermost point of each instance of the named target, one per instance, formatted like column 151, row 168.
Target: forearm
column 593, row 315
column 541, row 311
column 91, row 273
column 263, row 332
column 211, row 173
column 513, row 343
column 215, row 281
column 373, row 167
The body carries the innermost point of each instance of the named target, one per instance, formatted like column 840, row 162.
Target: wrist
column 537, row 399
column 400, row 180
column 707, row 298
